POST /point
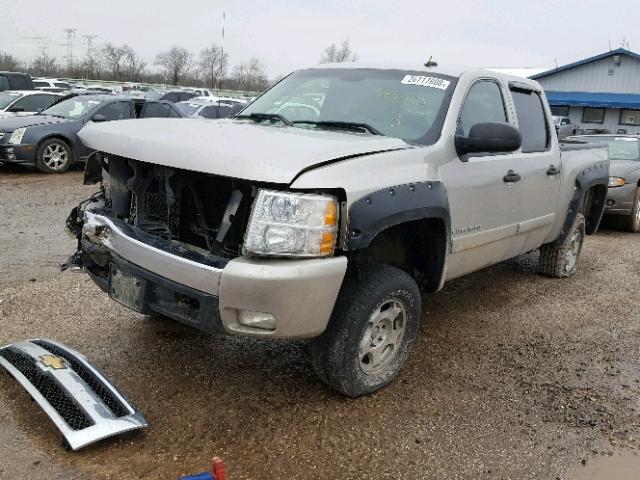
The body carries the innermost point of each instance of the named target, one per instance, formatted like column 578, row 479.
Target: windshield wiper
column 267, row 116
column 357, row 126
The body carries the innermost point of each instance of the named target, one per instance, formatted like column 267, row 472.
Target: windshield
column 6, row 98
column 396, row 103
column 74, row 107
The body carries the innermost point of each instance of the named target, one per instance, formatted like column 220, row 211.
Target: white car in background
column 203, row 107
column 51, row 84
column 21, row 103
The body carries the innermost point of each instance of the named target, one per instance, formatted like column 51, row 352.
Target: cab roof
column 451, row 70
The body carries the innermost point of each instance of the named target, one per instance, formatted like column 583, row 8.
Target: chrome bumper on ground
column 78, row 398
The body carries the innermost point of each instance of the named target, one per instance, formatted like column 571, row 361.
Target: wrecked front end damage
column 166, row 241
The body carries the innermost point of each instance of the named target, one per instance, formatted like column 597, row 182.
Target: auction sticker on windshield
column 425, row 81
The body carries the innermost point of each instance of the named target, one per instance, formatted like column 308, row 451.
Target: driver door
column 481, row 201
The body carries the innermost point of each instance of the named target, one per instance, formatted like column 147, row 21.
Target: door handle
column 511, row 177
column 553, row 170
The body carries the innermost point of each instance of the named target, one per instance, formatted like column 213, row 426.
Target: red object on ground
column 217, row 468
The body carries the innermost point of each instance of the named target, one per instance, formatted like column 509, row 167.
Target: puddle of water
column 623, row 465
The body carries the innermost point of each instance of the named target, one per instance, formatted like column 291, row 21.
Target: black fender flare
column 380, row 210
column 586, row 179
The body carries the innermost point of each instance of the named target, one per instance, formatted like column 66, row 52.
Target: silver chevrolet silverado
column 331, row 203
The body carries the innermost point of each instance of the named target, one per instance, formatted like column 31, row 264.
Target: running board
column 76, row 396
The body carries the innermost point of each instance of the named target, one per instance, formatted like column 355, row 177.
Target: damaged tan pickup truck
column 331, row 203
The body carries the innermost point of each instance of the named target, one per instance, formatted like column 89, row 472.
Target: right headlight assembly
column 17, row 136
column 292, row 225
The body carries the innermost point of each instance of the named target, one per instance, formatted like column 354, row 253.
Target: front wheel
column 54, row 156
column 373, row 326
column 634, row 219
column 561, row 260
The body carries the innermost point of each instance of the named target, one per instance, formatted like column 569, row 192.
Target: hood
column 624, row 169
column 233, row 148
column 9, row 124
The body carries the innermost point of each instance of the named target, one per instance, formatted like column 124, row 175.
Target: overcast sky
column 289, row 34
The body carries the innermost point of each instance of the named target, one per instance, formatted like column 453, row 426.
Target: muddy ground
column 514, row 376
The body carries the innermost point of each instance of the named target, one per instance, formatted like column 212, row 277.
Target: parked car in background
column 564, row 127
column 49, row 140
column 623, row 197
column 52, row 84
column 209, row 109
column 15, row 81
column 26, row 102
column 166, row 95
column 331, row 223
column 200, row 92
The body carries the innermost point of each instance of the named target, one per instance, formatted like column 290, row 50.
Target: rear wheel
column 633, row 224
column 371, row 331
column 561, row 260
column 54, row 156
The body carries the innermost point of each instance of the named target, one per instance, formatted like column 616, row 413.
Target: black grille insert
column 50, row 390
column 107, row 397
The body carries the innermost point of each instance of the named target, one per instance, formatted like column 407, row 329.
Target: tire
column 375, row 300
column 633, row 224
column 54, row 155
column 561, row 261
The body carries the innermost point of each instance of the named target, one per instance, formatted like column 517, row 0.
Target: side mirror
column 489, row 137
column 98, row 117
column 16, row 109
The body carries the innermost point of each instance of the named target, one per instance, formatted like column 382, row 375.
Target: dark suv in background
column 15, row 81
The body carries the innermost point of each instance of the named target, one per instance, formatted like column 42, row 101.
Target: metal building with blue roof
column 599, row 92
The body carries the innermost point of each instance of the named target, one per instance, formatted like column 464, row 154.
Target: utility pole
column 70, row 33
column 89, row 40
column 224, row 18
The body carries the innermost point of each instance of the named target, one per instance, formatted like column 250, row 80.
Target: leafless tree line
column 209, row 68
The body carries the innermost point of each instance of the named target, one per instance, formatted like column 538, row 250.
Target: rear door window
column 156, row 110
column 34, row 103
column 532, row 120
column 18, row 82
column 116, row 111
column 484, row 103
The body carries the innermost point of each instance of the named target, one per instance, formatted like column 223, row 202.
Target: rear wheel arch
column 590, row 192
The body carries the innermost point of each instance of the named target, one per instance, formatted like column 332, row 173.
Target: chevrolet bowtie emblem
column 52, row 361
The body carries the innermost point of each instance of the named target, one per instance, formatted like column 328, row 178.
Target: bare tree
column 43, row 65
column 133, row 63
column 250, row 75
column 335, row 54
column 8, row 61
column 112, row 57
column 213, row 64
column 175, row 61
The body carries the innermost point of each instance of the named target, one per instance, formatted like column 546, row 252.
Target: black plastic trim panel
column 396, row 205
column 587, row 178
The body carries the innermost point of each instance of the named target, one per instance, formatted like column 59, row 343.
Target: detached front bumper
column 620, row 200
column 214, row 294
column 17, row 153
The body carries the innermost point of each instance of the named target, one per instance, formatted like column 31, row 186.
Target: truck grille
column 60, row 400
column 109, row 399
column 79, row 400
